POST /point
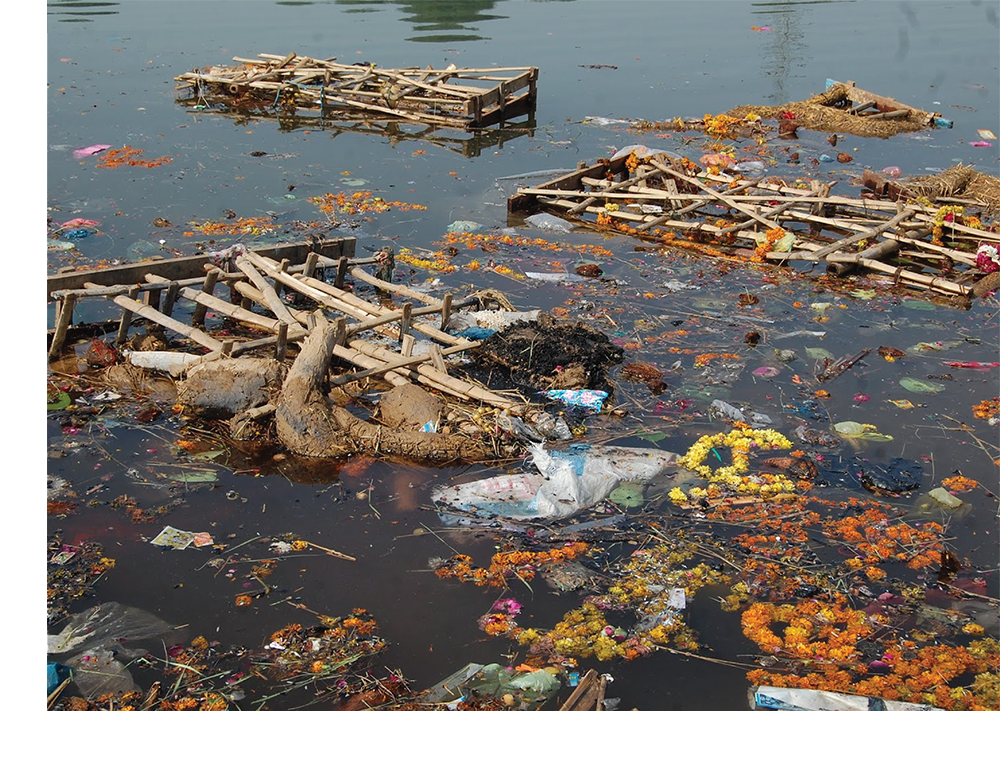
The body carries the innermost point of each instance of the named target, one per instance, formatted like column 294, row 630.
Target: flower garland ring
column 741, row 442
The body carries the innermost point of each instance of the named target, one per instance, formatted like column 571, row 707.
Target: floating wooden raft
column 664, row 198
column 464, row 98
column 258, row 281
column 868, row 104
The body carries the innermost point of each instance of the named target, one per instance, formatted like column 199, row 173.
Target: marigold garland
column 741, row 442
column 508, row 564
column 129, row 156
column 358, row 203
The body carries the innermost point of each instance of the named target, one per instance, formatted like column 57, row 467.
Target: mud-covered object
column 892, row 477
column 541, row 356
column 229, row 385
column 409, row 407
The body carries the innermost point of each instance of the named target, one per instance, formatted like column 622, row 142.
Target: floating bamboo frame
column 260, row 273
column 464, row 98
column 662, row 196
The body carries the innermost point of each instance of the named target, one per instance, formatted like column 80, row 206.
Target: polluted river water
column 881, row 550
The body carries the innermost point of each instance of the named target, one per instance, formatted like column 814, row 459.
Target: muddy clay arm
column 307, row 423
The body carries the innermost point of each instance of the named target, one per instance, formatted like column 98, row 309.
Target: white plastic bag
column 568, row 481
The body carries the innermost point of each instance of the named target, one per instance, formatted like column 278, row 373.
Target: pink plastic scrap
column 980, row 144
column 83, row 152
column 79, row 223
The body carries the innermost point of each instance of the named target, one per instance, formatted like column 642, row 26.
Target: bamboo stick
column 840, row 263
column 454, row 385
column 366, row 277
column 368, row 363
column 232, row 311
column 854, row 239
column 200, row 309
column 718, row 195
column 618, row 185
column 956, row 255
column 405, row 360
column 271, row 297
column 126, row 320
column 367, row 309
column 154, row 315
column 63, row 320
column 917, row 279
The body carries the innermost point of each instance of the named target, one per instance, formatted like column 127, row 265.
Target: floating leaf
column 918, row 304
column 935, row 346
column 785, row 356
column 62, row 400
column 627, row 495
column 653, row 436
column 818, row 353
column 890, row 353
column 208, row 455
column 864, row 294
column 855, row 430
column 196, row 477
column 920, row 387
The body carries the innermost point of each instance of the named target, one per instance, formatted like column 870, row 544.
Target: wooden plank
column 190, row 266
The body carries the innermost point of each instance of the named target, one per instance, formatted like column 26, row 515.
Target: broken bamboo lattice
column 464, row 98
column 661, row 197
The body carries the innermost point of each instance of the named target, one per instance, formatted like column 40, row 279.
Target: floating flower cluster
column 520, row 563
column 358, row 203
column 254, row 226
column 499, row 621
column 988, row 258
column 129, row 156
column 876, row 537
column 643, row 589
column 951, row 214
column 988, row 410
column 772, row 237
column 959, row 483
column 604, row 217
column 492, row 243
column 741, row 442
column 439, row 263
column 705, row 358
column 779, row 525
column 723, row 126
column 836, row 648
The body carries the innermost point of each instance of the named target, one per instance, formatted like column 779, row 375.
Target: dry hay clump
column 548, row 355
column 960, row 182
column 827, row 112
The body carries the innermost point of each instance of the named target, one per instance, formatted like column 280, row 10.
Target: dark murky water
column 110, row 80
